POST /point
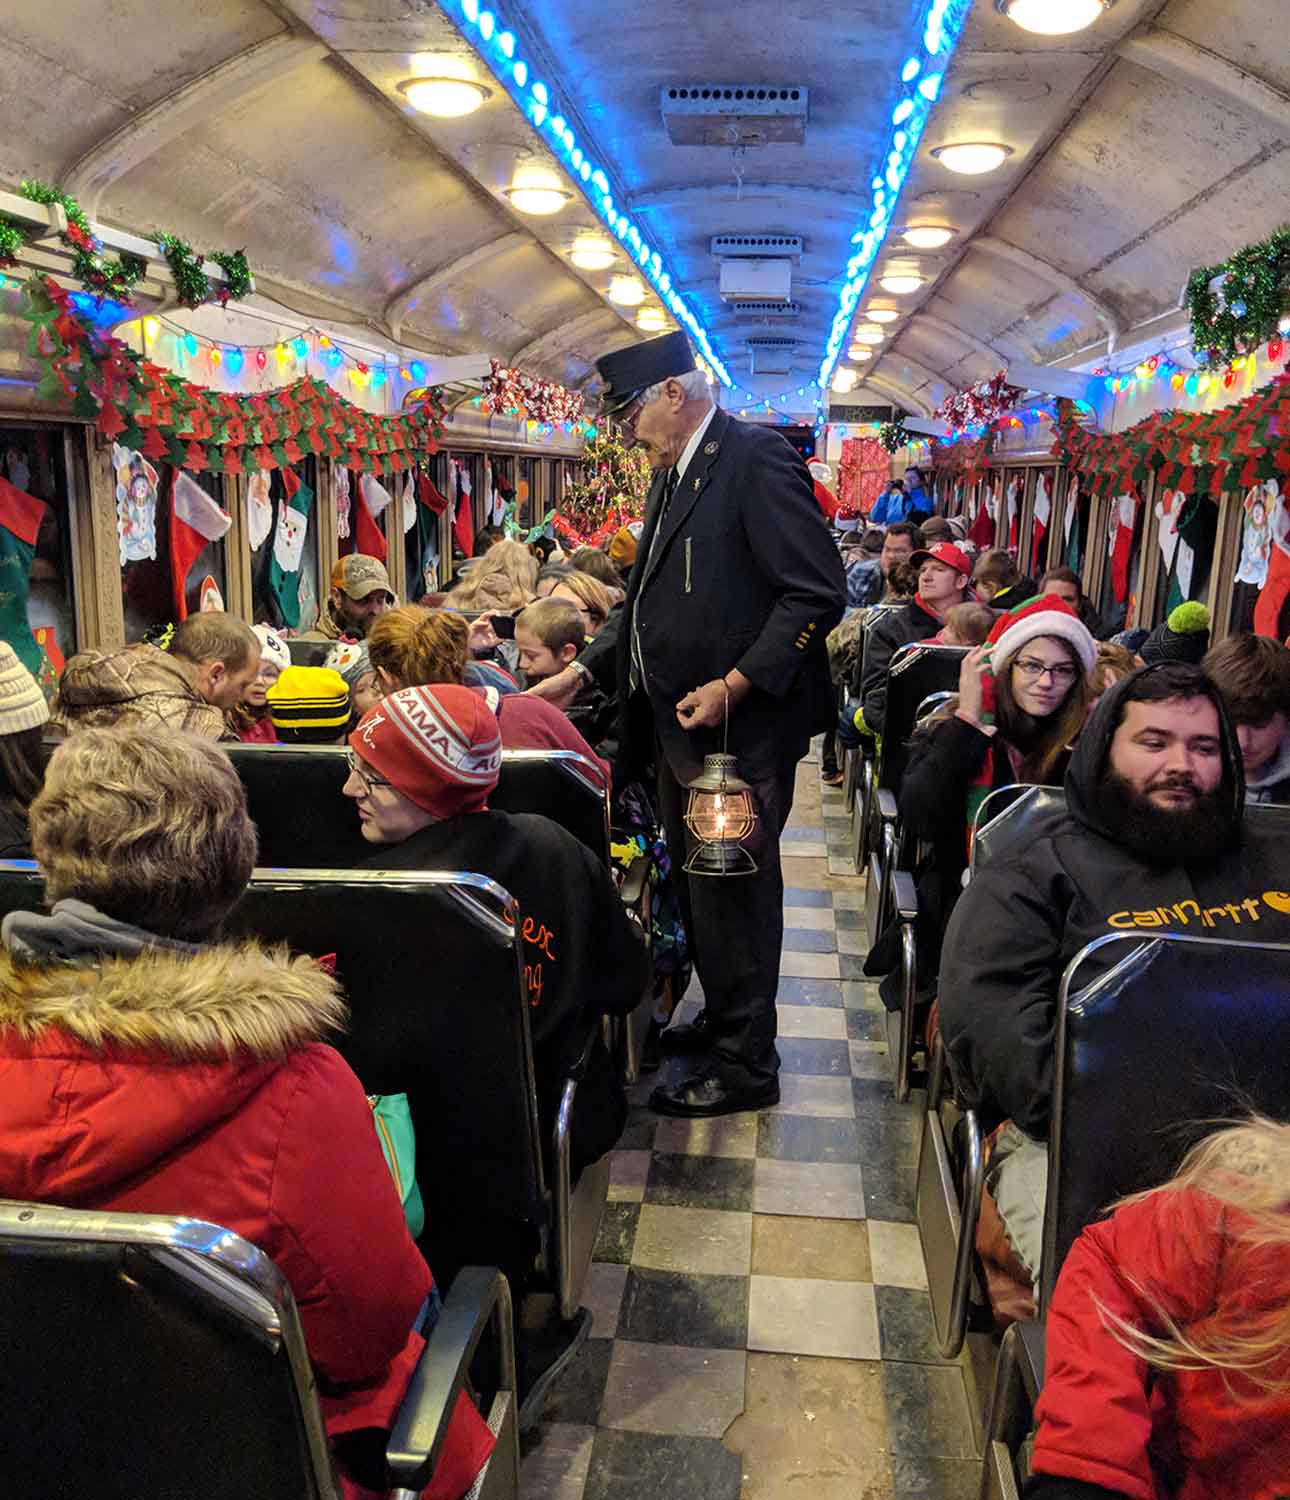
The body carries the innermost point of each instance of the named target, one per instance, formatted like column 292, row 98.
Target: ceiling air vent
column 772, row 353
column 743, row 246
column 759, row 310
column 727, row 114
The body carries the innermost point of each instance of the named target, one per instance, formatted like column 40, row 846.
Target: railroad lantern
column 720, row 815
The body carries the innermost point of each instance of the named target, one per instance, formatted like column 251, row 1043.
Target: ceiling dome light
column 1053, row 17
column 445, row 98
column 858, row 353
column 537, row 200
column 868, row 335
column 627, row 291
column 900, row 286
column 881, row 314
column 651, row 320
column 843, row 379
column 927, row 236
column 972, row 158
column 591, row 253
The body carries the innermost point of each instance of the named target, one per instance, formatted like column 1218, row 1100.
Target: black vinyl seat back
column 916, row 672
column 430, row 965
column 1012, row 817
column 1157, row 1039
column 561, row 785
column 151, row 1358
column 22, row 886
column 294, row 796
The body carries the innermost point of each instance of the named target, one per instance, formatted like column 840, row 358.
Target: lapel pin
column 711, row 448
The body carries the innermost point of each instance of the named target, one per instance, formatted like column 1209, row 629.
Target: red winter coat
column 200, row 1086
column 1186, row 1435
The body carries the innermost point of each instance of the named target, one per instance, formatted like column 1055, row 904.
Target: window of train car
column 34, row 459
column 144, row 510
column 276, row 592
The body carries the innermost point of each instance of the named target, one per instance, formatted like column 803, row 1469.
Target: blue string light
column 495, row 42
column 941, row 26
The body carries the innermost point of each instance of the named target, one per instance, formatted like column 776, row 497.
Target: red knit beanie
column 440, row 746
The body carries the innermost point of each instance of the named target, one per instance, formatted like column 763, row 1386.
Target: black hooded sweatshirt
column 1025, row 916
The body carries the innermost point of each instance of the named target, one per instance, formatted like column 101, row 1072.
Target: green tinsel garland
column 12, row 240
column 1256, row 293
column 892, row 435
column 191, row 282
column 101, row 276
column 237, row 274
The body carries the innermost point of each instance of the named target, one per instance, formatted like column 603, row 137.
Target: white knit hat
column 1045, row 615
column 22, row 704
column 273, row 647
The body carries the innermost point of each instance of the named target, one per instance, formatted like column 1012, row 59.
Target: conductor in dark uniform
column 736, row 585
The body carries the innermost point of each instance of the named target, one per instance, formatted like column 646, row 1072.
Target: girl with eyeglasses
column 1021, row 703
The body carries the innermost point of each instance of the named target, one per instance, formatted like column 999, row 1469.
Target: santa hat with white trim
column 1045, row 615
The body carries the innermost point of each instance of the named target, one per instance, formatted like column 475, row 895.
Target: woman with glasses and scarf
column 1022, row 700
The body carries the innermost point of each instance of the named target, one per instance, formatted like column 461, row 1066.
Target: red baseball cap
column 440, row 746
column 947, row 553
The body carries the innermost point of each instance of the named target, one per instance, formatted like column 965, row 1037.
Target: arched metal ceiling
column 1150, row 143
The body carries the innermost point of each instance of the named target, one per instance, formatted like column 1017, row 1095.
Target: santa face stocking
column 289, row 547
column 1124, row 514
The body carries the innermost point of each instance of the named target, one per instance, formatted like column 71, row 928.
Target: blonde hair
column 504, row 578
column 555, row 622
column 414, row 646
column 590, row 593
column 1113, row 662
column 147, row 825
column 1245, row 1167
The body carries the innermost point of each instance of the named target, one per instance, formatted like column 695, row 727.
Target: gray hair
column 694, row 383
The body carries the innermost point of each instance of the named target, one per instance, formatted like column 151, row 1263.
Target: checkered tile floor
column 759, row 1295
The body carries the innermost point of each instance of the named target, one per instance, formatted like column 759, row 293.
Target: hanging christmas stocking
column 20, row 516
column 1120, row 544
column 1043, row 510
column 289, row 547
column 1197, row 533
column 195, row 522
column 982, row 532
column 1014, row 513
column 1073, row 558
column 373, row 497
column 1273, row 594
column 463, row 526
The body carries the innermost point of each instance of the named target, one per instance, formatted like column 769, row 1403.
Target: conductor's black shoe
column 708, row 1094
column 690, row 1036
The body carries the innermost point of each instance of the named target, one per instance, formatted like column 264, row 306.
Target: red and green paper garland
column 512, row 393
column 171, row 420
column 1207, row 452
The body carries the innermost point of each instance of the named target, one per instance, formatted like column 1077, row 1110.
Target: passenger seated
column 1167, row 1345
column 548, row 576
column 966, row 625
column 310, row 706
column 250, row 719
column 423, row 765
column 596, row 564
column 360, row 593
column 589, row 597
column 146, row 1067
column 942, row 580
column 353, row 660
column 504, row 579
column 550, row 634
column 867, row 579
column 1021, row 703
column 1113, row 662
column 418, row 647
column 211, row 661
column 1065, row 583
column 1184, row 636
column 1152, row 840
column 999, row 582
column 1253, row 675
column 23, row 713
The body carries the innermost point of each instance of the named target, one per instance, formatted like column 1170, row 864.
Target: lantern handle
column 725, row 722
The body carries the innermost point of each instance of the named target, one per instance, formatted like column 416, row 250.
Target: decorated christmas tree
column 615, row 481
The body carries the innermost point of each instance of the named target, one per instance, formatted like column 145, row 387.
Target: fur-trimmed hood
column 105, row 1070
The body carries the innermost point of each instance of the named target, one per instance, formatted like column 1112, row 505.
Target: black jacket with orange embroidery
column 1025, row 916
column 582, row 956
